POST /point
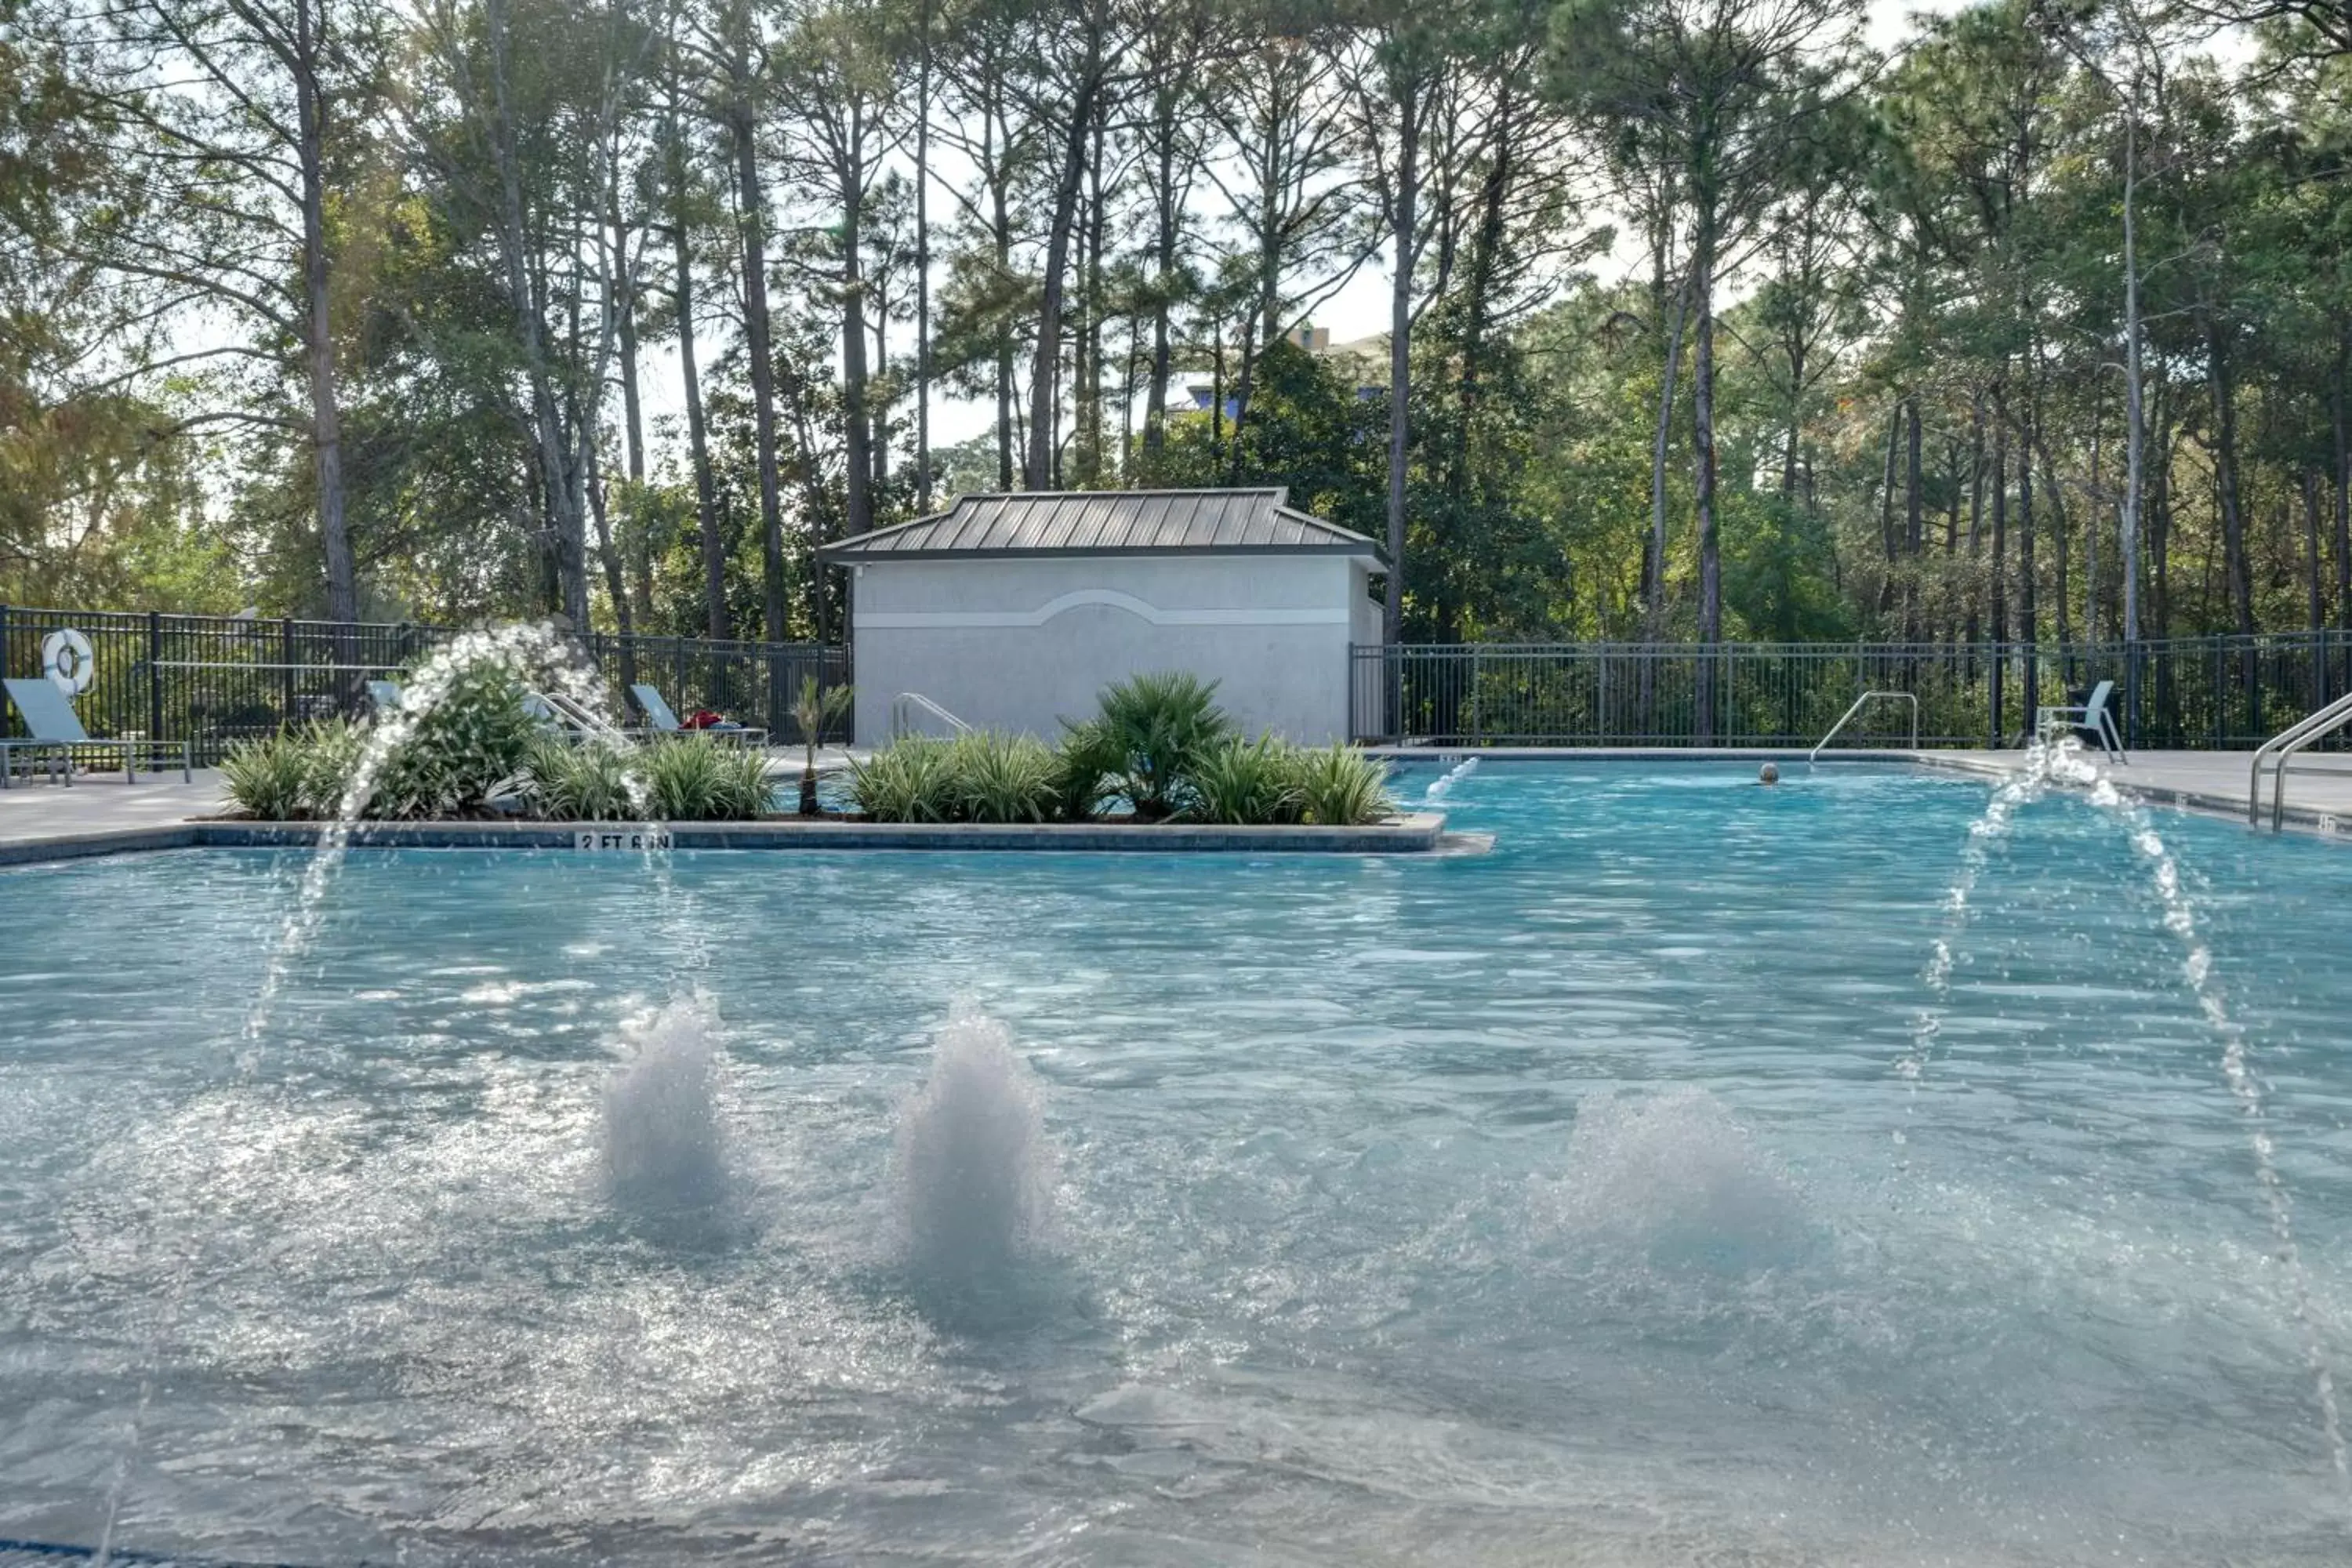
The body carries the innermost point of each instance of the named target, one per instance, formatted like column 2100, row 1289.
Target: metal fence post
column 154, row 674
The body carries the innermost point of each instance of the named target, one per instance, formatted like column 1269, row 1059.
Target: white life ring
column 66, row 660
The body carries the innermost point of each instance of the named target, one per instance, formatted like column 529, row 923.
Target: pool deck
column 2318, row 792
column 101, row 815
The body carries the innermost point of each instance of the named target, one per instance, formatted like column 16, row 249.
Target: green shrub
column 1086, row 765
column 268, row 778
column 1002, row 778
column 910, row 780
column 295, row 775
column 1251, row 781
column 1162, row 726
column 331, row 751
column 693, row 778
column 579, row 784
column 454, row 753
column 1339, row 786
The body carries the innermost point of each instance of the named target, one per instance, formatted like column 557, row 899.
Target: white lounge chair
column 658, row 714
column 58, row 734
column 2094, row 718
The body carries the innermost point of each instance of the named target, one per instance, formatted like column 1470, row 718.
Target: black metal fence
column 2223, row 692
column 213, row 680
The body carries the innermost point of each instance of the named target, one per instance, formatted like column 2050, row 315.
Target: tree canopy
column 1701, row 320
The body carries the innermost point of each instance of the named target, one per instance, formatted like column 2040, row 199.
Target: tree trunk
column 319, row 344
column 2225, row 478
column 2311, row 549
column 1403, row 234
column 1046, row 365
column 717, row 622
column 858, row 430
column 1915, row 508
column 569, row 529
column 1163, row 255
column 1089, row 386
column 1000, row 234
column 1998, row 580
column 1710, row 565
column 637, row 550
column 923, row 263
column 615, row 578
column 752, row 227
column 2340, row 419
column 2027, row 631
column 1653, row 562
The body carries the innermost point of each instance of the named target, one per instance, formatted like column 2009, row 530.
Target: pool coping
column 1410, row 833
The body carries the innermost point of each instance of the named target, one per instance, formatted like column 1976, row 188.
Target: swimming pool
column 1622, row 1195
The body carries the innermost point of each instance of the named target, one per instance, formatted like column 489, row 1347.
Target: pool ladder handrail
column 1858, row 703
column 906, row 701
column 2280, row 750
column 581, row 720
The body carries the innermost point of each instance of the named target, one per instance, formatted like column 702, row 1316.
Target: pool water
column 1599, row 1199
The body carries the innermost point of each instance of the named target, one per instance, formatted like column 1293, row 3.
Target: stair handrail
column 899, row 704
column 2280, row 749
column 579, row 716
column 1912, row 698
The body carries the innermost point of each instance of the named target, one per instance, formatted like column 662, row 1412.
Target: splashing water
column 1675, row 1177
column 974, row 1171
column 662, row 1143
column 1439, row 788
column 535, row 651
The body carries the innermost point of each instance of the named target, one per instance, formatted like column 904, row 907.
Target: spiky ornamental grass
column 693, row 778
column 588, row 783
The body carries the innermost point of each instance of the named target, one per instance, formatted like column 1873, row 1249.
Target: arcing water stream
column 2064, row 762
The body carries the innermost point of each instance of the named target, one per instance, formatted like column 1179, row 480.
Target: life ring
column 66, row 660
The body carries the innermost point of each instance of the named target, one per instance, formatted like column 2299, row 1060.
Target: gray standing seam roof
column 1089, row 522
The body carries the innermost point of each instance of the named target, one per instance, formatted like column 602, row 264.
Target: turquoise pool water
column 1594, row 1200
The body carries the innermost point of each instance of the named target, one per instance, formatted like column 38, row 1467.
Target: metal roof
column 1095, row 522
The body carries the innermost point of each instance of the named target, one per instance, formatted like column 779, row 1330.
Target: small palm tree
column 813, row 709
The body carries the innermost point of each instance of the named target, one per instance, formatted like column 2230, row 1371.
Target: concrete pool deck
column 99, row 816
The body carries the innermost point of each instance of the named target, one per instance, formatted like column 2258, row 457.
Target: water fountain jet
column 974, row 1173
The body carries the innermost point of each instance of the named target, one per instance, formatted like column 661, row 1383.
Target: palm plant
column 813, row 709
column 1161, row 726
column 1083, row 766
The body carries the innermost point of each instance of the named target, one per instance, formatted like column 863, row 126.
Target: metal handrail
column 1858, row 702
column 899, row 704
column 2280, row 749
column 580, row 717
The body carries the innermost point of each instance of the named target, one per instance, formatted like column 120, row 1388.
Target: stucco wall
column 1020, row 645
